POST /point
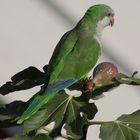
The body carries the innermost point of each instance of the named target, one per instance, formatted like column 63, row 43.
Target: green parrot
column 74, row 56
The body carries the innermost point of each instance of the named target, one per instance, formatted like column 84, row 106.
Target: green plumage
column 74, row 56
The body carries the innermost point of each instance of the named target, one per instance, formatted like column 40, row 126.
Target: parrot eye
column 109, row 14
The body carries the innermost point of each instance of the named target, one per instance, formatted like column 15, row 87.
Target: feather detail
column 41, row 100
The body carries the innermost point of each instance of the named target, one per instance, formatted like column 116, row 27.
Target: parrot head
column 102, row 14
column 99, row 16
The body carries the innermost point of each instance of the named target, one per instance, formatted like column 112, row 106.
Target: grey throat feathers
column 99, row 28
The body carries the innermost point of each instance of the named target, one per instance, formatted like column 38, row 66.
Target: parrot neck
column 92, row 27
column 99, row 30
column 100, row 26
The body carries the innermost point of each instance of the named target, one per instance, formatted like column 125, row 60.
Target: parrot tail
column 41, row 100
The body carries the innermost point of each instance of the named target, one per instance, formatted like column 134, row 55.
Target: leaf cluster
column 73, row 114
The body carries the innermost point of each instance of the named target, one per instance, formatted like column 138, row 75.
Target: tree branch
column 85, row 129
column 97, row 122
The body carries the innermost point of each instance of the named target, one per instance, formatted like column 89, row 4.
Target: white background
column 30, row 30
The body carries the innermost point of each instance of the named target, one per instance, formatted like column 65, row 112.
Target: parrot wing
column 63, row 48
column 56, row 64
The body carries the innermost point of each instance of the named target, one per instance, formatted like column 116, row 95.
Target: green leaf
column 38, row 137
column 62, row 109
column 42, row 137
column 18, row 138
column 126, row 127
column 12, row 109
column 25, row 79
column 9, row 113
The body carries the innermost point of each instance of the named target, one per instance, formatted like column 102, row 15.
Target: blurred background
column 30, row 30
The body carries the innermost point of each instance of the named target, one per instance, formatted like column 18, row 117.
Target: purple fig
column 104, row 73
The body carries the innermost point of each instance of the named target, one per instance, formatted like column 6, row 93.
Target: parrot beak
column 111, row 21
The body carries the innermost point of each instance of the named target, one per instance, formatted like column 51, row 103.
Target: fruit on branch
column 88, row 85
column 104, row 73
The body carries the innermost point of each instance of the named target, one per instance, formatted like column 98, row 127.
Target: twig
column 97, row 122
column 49, row 130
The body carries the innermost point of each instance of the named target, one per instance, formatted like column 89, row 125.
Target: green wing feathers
column 32, row 108
column 63, row 48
